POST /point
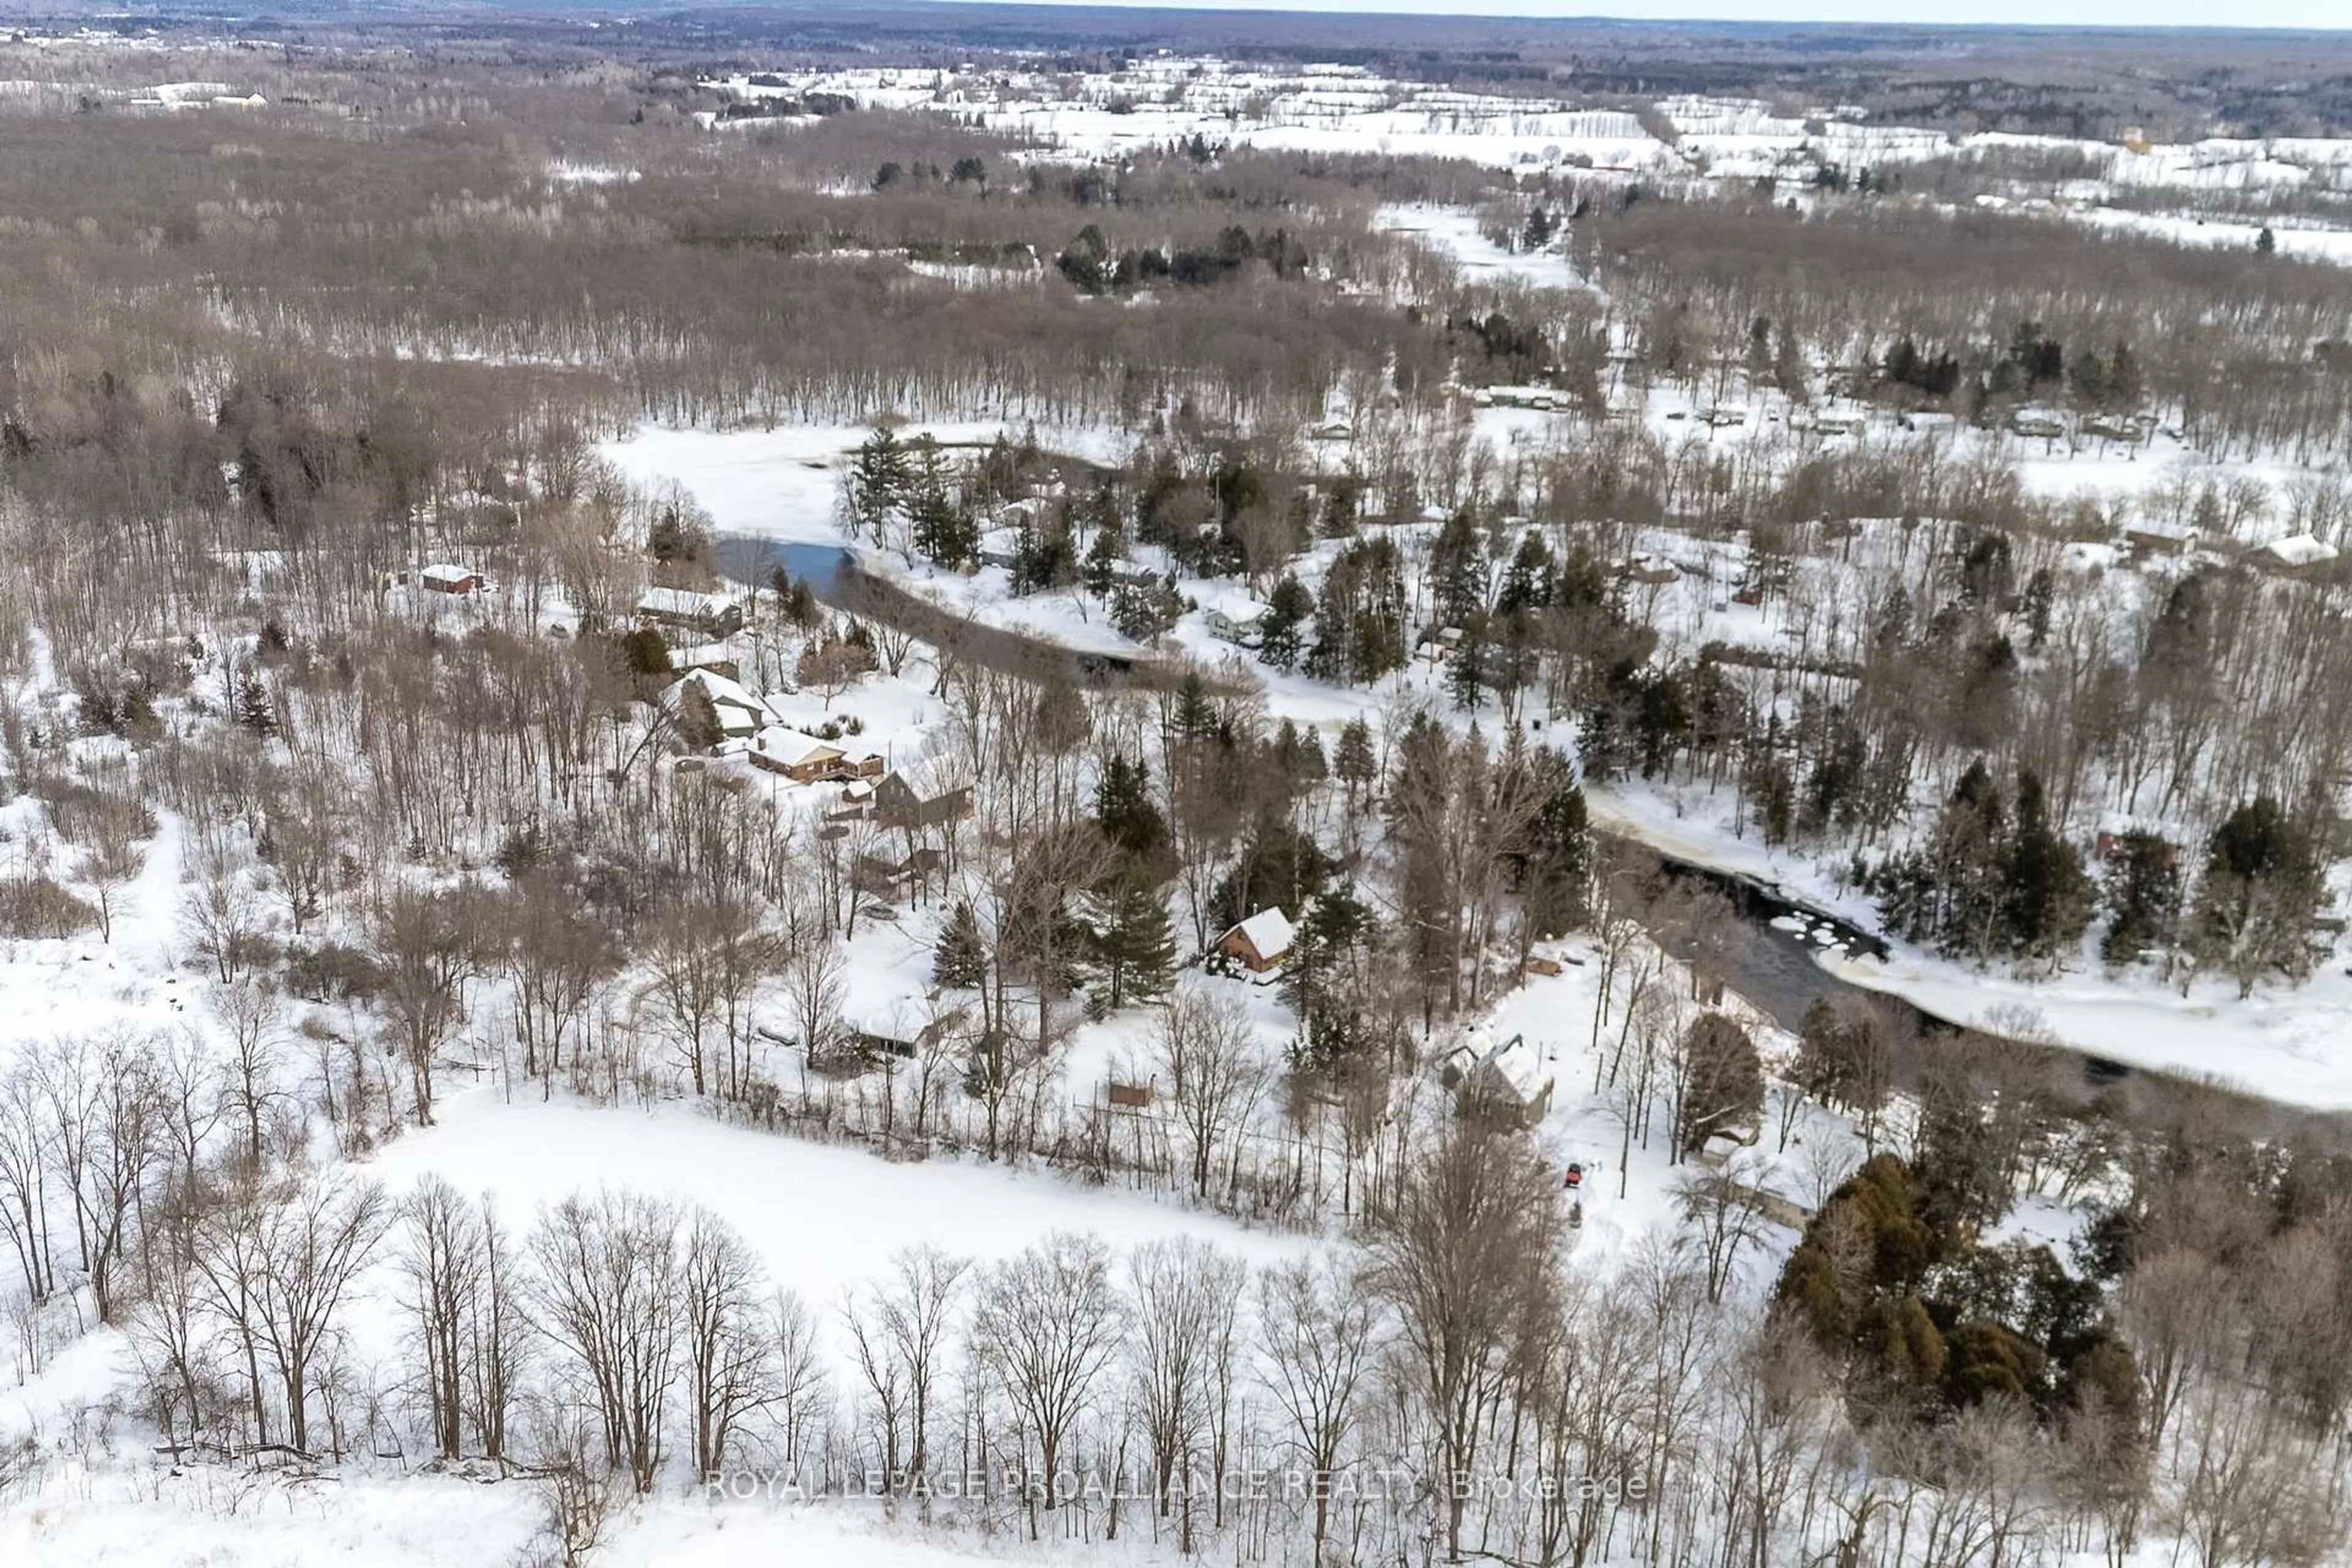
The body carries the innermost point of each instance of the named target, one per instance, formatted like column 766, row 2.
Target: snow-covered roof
column 696, row 658
column 1515, row 1065
column 722, row 691
column 1238, row 608
column 2301, row 548
column 1268, row 931
column 442, row 571
column 739, row 712
column 792, row 748
column 682, row 603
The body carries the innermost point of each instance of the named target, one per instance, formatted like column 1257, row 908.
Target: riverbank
column 771, row 492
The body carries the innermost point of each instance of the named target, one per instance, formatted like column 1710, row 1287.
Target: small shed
column 859, row 763
column 444, row 578
column 1000, row 547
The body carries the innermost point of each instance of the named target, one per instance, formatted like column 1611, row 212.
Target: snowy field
column 825, row 1216
column 783, row 482
column 1454, row 232
column 1333, row 108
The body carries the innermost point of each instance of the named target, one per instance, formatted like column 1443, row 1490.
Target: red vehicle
column 1575, row 1177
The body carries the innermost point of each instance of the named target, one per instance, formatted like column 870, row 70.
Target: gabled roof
column 2301, row 550
column 1238, row 608
column 1268, row 930
column 739, row 712
column 1515, row 1065
column 792, row 748
column 722, row 691
column 679, row 602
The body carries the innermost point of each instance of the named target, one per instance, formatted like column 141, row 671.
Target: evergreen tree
column 1357, row 764
column 2049, row 895
column 1457, row 574
column 959, row 958
column 1281, row 633
column 645, row 653
column 1527, row 584
column 1966, row 852
column 1724, row 1081
column 945, row 533
column 254, row 710
column 1323, row 950
column 1125, row 810
column 1556, row 869
column 1298, row 757
column 1145, row 611
column 1465, row 671
column 2040, row 590
column 1087, row 262
column 878, row 477
column 2262, row 888
column 2142, row 894
column 1104, row 554
column 1359, row 619
column 1130, row 938
column 1279, row 865
column 1195, row 717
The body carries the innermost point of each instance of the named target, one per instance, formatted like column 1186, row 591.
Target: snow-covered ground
column 824, row 1216
column 1454, row 232
column 2284, row 1043
column 1316, row 108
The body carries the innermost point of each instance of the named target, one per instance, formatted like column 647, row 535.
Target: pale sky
column 2333, row 15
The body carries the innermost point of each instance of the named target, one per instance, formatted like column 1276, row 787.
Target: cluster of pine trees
column 1993, row 879
column 1923, row 1319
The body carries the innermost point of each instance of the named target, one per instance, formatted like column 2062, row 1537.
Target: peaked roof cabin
column 1259, row 942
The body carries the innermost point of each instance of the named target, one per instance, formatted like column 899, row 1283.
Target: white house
column 2300, row 550
column 1235, row 619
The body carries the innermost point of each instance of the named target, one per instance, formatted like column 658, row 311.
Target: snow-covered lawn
column 785, row 483
column 823, row 1216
